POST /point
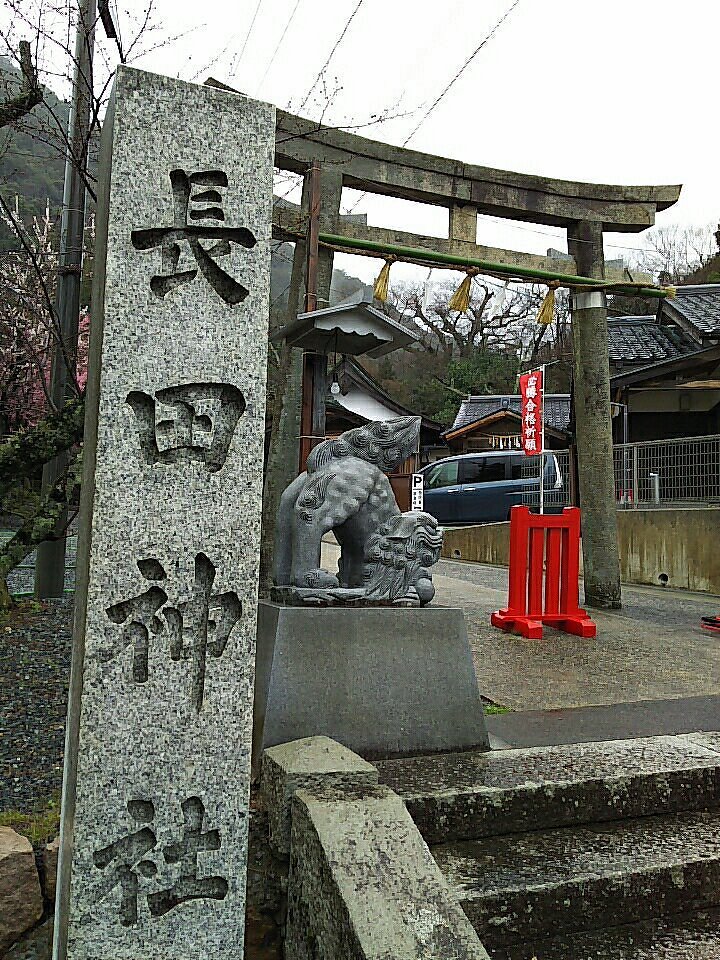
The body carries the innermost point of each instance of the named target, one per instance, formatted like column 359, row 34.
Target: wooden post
column 314, row 383
column 593, row 424
column 312, row 418
column 313, row 250
column 283, row 455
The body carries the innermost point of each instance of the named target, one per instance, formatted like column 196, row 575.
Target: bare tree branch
column 673, row 253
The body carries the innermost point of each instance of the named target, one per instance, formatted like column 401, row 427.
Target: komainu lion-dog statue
column 385, row 555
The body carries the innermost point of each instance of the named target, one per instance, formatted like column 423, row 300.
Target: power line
column 514, row 225
column 332, row 54
column 448, row 15
column 235, row 66
column 279, row 43
column 462, row 69
column 276, row 251
column 429, row 111
column 559, row 237
column 280, row 295
column 448, row 86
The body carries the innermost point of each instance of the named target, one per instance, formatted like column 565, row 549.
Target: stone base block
column 363, row 885
column 385, row 682
column 21, row 904
column 305, row 764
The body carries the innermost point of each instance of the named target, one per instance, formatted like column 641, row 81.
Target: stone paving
column 652, row 649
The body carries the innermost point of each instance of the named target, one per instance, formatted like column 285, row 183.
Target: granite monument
column 155, row 802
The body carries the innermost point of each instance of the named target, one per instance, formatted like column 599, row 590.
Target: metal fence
column 682, row 472
column 557, row 490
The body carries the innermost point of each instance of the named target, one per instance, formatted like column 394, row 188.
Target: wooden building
column 494, row 423
column 665, row 369
column 360, row 400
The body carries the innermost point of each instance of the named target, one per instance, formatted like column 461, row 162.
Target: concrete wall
column 486, row 543
column 683, row 544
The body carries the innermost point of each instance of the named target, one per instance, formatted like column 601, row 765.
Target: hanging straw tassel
column 545, row 316
column 380, row 290
column 460, row 300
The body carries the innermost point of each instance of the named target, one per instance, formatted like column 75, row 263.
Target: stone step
column 471, row 795
column 685, row 937
column 545, row 883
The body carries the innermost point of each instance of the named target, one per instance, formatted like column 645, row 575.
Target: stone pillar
column 593, row 424
column 155, row 798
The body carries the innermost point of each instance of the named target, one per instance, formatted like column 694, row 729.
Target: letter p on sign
column 417, row 499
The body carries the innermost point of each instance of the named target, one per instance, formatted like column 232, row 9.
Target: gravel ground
column 34, row 674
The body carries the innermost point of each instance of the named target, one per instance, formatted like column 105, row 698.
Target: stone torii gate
column 584, row 210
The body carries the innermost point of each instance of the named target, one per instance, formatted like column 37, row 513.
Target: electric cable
column 279, row 43
column 235, row 66
column 462, row 69
column 449, row 85
column 332, row 54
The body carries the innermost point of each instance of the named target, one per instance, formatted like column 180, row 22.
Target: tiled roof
column 698, row 306
column 557, row 409
column 641, row 340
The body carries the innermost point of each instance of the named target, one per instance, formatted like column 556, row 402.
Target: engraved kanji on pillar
column 156, row 786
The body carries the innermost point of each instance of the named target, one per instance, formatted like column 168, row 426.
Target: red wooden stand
column 552, row 542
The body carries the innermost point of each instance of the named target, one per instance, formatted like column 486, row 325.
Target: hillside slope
column 31, row 165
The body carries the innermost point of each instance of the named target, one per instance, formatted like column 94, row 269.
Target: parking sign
column 417, row 498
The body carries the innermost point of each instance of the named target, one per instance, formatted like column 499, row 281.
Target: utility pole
column 593, row 424
column 50, row 564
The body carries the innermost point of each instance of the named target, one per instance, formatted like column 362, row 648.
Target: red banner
column 531, row 410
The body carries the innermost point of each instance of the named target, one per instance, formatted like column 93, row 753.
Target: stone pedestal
column 383, row 681
column 156, row 789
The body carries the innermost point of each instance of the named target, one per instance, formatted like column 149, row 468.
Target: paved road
column 652, row 649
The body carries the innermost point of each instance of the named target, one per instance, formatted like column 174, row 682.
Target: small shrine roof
column 474, row 409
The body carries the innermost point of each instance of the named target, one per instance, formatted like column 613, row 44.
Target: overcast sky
column 615, row 91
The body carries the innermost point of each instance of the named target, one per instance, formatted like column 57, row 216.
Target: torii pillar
column 593, row 424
